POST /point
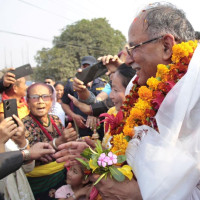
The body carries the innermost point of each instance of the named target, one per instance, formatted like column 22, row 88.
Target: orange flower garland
column 147, row 99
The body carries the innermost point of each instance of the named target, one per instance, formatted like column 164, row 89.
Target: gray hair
column 165, row 18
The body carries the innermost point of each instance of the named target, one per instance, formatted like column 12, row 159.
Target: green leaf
column 86, row 164
column 117, row 175
column 127, row 138
column 94, row 152
column 121, row 158
column 86, row 153
column 99, row 147
column 158, row 78
column 100, row 178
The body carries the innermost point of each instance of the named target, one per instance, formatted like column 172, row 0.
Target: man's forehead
column 137, row 28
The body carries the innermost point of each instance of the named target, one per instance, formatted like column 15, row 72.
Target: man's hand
column 79, row 121
column 78, row 85
column 82, row 106
column 112, row 189
column 69, row 152
column 9, row 78
column 92, row 122
column 19, row 136
column 7, row 129
column 42, row 151
column 111, row 62
column 69, row 134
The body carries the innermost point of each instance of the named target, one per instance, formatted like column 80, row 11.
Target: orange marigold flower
column 153, row 83
column 128, row 131
column 119, row 144
column 145, row 93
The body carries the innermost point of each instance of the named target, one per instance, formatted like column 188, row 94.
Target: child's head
column 76, row 176
column 120, row 80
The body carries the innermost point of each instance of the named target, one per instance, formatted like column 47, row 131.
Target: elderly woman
column 42, row 127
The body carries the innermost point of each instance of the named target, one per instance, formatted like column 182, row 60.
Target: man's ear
column 168, row 43
column 15, row 88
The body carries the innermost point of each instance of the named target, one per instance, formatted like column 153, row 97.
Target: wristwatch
column 26, row 154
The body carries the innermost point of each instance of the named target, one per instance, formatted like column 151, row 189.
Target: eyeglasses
column 35, row 97
column 130, row 49
column 47, row 82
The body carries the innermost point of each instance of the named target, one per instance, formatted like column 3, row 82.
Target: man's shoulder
column 99, row 80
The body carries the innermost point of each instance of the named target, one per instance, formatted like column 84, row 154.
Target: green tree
column 85, row 37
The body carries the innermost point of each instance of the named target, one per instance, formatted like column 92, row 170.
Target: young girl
column 78, row 187
column 120, row 80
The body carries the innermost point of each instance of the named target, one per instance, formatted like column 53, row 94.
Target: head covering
column 88, row 60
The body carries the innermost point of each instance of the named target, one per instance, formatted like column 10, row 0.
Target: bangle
column 25, row 147
column 54, row 144
column 26, row 154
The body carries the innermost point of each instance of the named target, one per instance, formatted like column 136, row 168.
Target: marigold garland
column 147, row 99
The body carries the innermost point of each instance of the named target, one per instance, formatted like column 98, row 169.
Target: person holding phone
column 16, row 91
column 7, row 80
column 15, row 142
column 74, row 112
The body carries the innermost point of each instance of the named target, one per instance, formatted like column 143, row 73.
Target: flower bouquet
column 105, row 162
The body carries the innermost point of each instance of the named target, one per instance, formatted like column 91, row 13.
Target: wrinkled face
column 59, row 91
column 74, row 176
column 117, row 94
column 21, row 88
column 144, row 58
column 39, row 107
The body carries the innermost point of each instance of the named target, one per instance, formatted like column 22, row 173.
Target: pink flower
column 107, row 160
column 112, row 158
column 102, row 160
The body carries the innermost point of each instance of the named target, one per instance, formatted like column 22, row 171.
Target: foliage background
column 86, row 37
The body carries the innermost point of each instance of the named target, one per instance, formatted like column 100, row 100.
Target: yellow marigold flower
column 145, row 93
column 182, row 50
column 153, row 83
column 119, row 144
column 162, row 70
column 142, row 105
column 193, row 44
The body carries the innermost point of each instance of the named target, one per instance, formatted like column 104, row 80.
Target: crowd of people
column 154, row 81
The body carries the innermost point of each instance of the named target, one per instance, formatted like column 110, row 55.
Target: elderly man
column 166, row 164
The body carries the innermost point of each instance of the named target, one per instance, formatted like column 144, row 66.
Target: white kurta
column 167, row 165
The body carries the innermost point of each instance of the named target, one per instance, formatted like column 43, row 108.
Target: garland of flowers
column 147, row 99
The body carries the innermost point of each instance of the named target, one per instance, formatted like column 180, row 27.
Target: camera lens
column 7, row 103
column 8, row 108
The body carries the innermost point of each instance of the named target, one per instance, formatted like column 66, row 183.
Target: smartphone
column 22, row 71
column 10, row 108
column 92, row 72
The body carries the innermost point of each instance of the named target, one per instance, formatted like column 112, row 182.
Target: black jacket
column 10, row 162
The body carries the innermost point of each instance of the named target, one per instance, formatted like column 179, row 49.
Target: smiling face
column 39, row 108
column 144, row 58
column 59, row 91
column 117, row 94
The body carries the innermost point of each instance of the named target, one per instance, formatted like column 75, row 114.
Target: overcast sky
column 40, row 20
